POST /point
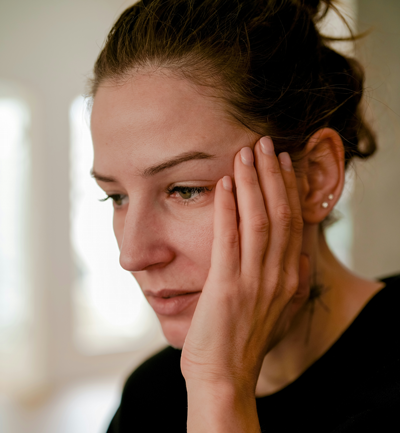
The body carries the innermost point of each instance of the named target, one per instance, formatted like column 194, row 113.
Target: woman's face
column 160, row 147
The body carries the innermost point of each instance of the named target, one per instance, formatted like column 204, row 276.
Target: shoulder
column 392, row 286
column 392, row 283
column 360, row 375
column 382, row 310
column 375, row 349
column 375, row 330
column 155, row 373
column 154, row 396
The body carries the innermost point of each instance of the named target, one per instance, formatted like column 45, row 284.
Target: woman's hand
column 257, row 282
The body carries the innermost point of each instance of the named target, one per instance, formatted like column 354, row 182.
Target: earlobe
column 324, row 175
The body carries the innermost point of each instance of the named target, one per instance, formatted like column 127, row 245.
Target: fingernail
column 246, row 155
column 227, row 183
column 285, row 161
column 267, row 146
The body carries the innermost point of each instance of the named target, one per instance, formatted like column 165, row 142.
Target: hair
column 266, row 60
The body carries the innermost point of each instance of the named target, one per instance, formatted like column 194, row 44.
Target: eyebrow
column 155, row 169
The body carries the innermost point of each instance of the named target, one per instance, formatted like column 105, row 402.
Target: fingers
column 276, row 201
column 270, row 228
column 225, row 250
column 291, row 259
column 254, row 224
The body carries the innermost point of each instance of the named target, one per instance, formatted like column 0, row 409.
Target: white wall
column 376, row 203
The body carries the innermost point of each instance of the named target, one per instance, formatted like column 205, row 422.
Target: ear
column 323, row 175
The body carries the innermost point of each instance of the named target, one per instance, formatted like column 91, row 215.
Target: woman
column 222, row 130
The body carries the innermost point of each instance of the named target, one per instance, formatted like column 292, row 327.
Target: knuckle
column 289, row 289
column 284, row 215
column 229, row 207
column 297, row 225
column 259, row 223
column 230, row 239
column 250, row 180
column 293, row 284
column 274, row 170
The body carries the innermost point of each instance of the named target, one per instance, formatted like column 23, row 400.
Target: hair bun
column 313, row 6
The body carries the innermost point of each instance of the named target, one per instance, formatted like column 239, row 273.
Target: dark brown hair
column 265, row 59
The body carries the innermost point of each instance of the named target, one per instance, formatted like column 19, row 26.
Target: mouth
column 169, row 302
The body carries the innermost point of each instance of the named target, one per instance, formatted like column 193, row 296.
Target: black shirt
column 353, row 387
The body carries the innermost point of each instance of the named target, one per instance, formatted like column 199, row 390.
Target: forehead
column 151, row 115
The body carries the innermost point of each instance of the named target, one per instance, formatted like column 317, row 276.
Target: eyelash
column 197, row 190
column 114, row 198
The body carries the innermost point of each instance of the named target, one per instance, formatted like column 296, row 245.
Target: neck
column 321, row 321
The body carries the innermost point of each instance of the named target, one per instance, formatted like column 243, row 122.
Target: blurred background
column 73, row 324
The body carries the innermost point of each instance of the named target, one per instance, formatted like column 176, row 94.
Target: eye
column 188, row 193
column 116, row 198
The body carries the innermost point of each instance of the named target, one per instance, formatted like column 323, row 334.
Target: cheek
column 189, row 234
column 194, row 238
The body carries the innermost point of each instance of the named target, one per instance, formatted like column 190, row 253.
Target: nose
column 144, row 244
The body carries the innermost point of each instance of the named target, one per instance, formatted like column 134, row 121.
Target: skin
column 262, row 262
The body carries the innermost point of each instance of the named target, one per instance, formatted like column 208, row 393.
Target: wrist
column 220, row 388
column 221, row 407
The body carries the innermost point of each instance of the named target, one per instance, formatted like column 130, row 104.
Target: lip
column 169, row 302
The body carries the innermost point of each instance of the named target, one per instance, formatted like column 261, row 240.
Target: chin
column 175, row 330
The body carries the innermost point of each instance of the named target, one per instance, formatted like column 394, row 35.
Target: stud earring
column 325, row 204
column 330, row 196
